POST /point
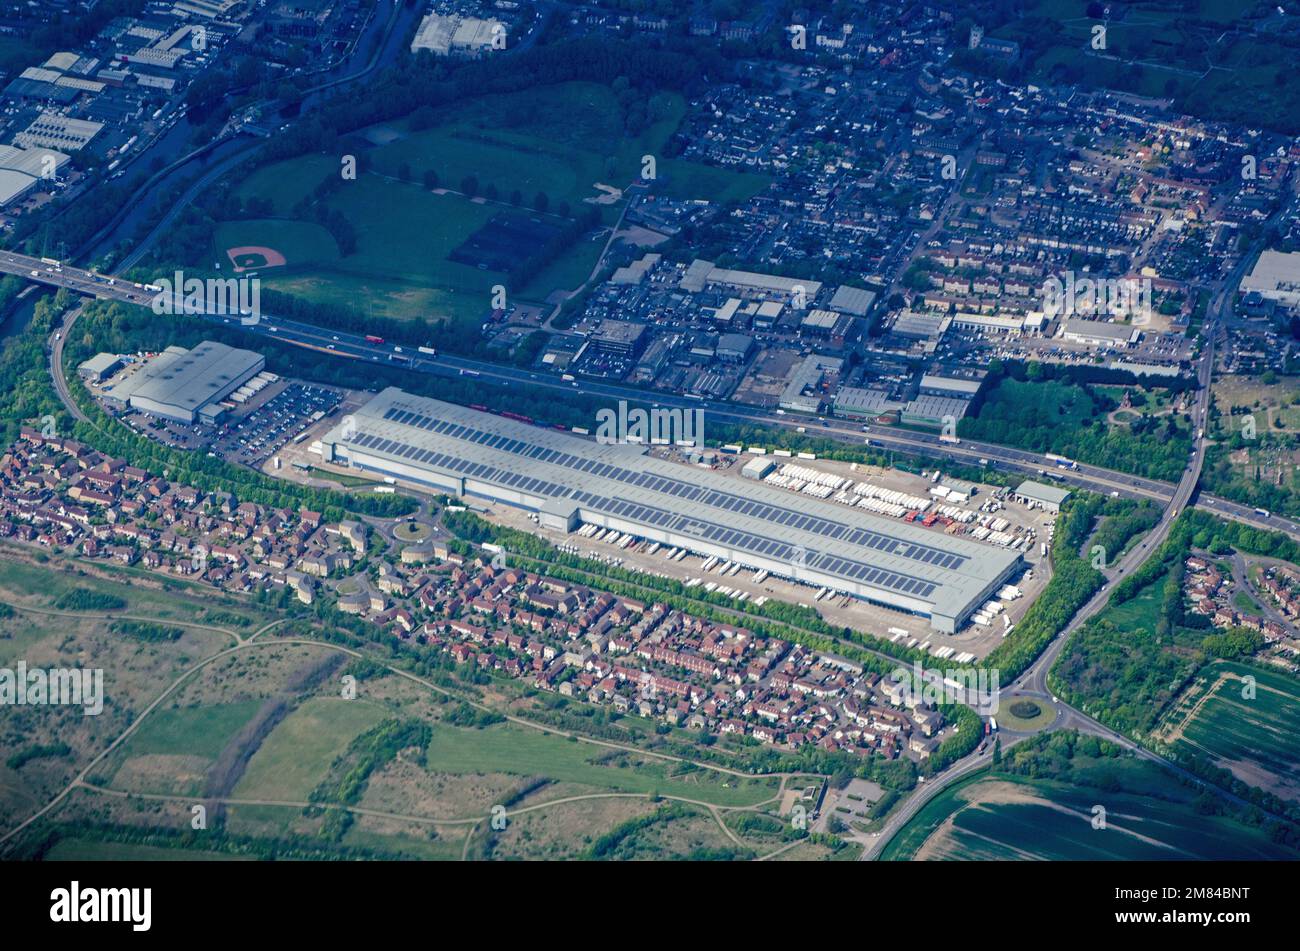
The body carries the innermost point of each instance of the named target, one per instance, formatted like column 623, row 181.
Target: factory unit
column 181, row 385
column 1048, row 497
column 570, row 481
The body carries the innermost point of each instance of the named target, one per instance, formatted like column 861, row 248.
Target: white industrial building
column 1099, row 333
column 1276, row 277
column 181, row 385
column 569, row 481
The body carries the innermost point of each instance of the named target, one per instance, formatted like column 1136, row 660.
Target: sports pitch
column 434, row 253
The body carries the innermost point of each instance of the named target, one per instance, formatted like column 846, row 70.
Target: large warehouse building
column 569, row 481
column 181, row 384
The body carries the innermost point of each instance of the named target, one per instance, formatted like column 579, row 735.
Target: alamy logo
column 74, row 904
column 975, row 687
column 659, row 427
column 59, row 686
column 214, row 296
column 1097, row 297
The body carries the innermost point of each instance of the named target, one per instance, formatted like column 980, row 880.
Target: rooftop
column 888, row 561
column 187, row 379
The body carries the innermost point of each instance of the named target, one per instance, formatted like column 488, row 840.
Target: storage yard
column 934, row 579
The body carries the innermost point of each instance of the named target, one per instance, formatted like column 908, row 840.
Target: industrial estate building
column 568, row 481
column 1050, row 497
column 1275, row 277
column 185, row 385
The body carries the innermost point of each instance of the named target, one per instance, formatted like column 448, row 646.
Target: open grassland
column 299, row 752
column 174, row 748
column 90, row 850
column 1256, row 738
column 561, row 141
column 45, row 746
column 521, row 751
column 55, row 585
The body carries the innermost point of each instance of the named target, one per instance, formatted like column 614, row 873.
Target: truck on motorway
column 371, row 338
column 428, row 351
column 1061, row 462
column 1262, row 513
column 567, row 378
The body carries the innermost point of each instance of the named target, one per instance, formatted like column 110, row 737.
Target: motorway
column 354, row 346
column 1033, row 683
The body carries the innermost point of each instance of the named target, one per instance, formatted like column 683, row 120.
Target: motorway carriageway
column 355, row 346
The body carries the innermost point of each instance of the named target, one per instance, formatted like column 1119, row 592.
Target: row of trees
column 124, row 329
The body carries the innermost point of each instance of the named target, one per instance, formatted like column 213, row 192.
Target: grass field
column 560, row 140
column 298, row 753
column 1257, row 739
column 41, row 586
column 134, row 672
column 89, row 850
column 196, row 731
column 1000, row 817
column 1166, row 50
column 174, row 748
column 303, row 243
column 510, row 749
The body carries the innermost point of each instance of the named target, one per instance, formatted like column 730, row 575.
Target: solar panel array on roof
column 677, row 488
column 896, row 563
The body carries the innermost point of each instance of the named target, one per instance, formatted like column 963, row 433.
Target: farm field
column 1003, row 817
column 1257, row 740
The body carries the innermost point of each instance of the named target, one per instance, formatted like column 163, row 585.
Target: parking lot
column 251, row 439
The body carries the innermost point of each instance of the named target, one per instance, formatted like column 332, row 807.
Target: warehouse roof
column 187, row 379
column 1101, row 330
column 100, row 363
column 853, row 399
column 14, row 185
column 852, row 300
column 865, row 551
column 33, row 162
column 952, row 384
column 1042, row 492
column 1274, row 271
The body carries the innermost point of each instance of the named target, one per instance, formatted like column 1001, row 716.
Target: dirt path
column 79, row 781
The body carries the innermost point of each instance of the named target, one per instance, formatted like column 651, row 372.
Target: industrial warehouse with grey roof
column 569, row 480
column 178, row 383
